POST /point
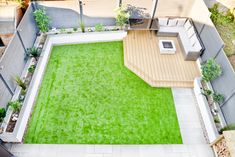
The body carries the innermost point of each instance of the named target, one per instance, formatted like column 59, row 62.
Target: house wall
column 214, row 49
column 174, row 8
column 65, row 14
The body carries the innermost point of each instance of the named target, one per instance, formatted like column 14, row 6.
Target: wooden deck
column 142, row 56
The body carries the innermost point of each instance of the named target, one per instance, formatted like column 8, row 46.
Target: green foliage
column 31, row 68
column 217, row 97
column 62, row 30
column 41, row 19
column 22, row 4
column 33, row 52
column 122, row 16
column 99, row 27
column 207, row 92
column 218, row 17
column 210, row 70
column 15, row 106
column 20, row 82
column 82, row 26
column 75, row 29
column 216, row 120
column 228, row 127
column 2, row 114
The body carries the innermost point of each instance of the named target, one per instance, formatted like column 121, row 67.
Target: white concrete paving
column 188, row 116
column 43, row 150
column 194, row 144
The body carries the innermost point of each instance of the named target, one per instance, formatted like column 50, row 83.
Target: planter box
column 205, row 111
column 15, row 136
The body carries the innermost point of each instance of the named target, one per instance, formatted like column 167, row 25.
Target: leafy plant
column 33, row 52
column 207, row 92
column 210, row 70
column 41, row 19
column 75, row 29
column 218, row 17
column 22, row 4
column 31, row 68
column 217, row 97
column 99, row 27
column 122, row 16
column 216, row 120
column 15, row 106
column 20, row 82
column 62, row 30
column 228, row 127
column 2, row 114
column 82, row 26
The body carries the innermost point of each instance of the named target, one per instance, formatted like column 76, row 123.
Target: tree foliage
column 210, row 70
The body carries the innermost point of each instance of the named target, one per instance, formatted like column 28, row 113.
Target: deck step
column 160, row 82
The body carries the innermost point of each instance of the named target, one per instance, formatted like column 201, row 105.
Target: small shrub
column 42, row 20
column 122, row 16
column 2, row 114
column 219, row 17
column 31, row 68
column 210, row 70
column 99, row 27
column 228, row 127
column 216, row 120
column 207, row 92
column 33, row 52
column 15, row 106
column 62, row 30
column 75, row 29
column 82, row 26
column 217, row 97
column 22, row 4
column 20, row 82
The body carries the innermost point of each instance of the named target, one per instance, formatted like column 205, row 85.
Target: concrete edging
column 205, row 111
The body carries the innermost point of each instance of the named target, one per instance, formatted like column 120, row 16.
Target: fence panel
column 27, row 28
column 212, row 41
column 5, row 95
column 213, row 44
column 13, row 60
column 228, row 110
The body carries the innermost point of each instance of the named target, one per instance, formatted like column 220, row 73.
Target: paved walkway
column 194, row 143
column 188, row 116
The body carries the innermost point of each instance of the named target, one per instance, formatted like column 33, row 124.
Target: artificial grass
column 88, row 96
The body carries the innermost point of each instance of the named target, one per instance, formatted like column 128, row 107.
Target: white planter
column 205, row 111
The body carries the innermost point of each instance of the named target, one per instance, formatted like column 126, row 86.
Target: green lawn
column 89, row 96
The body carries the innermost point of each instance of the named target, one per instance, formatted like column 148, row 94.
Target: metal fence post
column 21, row 41
column 81, row 11
column 6, row 84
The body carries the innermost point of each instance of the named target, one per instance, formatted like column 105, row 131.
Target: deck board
column 142, row 56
